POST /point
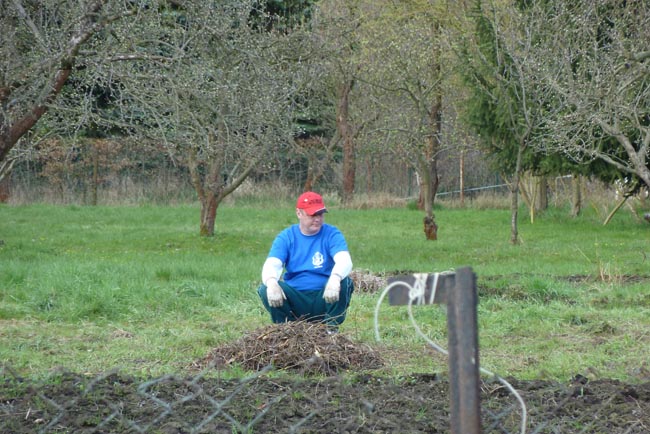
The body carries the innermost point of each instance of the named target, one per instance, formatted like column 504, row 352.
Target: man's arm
column 341, row 270
column 272, row 269
column 271, row 272
column 342, row 264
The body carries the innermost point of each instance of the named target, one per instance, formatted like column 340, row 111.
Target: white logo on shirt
column 317, row 260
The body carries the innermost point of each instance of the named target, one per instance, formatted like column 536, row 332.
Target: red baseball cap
column 312, row 203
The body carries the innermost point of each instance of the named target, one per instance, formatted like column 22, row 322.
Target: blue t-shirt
column 308, row 259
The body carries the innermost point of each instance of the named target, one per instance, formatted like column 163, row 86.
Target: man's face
column 309, row 224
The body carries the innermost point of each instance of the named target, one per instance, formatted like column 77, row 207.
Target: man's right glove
column 274, row 293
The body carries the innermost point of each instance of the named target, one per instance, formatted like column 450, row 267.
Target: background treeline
column 169, row 101
column 107, row 171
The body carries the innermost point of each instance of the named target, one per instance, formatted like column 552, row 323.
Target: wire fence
column 267, row 401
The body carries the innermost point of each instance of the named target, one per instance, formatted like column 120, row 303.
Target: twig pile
column 367, row 282
column 296, row 346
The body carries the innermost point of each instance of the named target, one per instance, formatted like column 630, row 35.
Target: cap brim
column 315, row 211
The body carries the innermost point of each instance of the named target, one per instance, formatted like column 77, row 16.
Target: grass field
column 92, row 289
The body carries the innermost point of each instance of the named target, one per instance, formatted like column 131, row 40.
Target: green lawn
column 135, row 288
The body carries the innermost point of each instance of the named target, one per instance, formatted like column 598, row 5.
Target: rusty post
column 458, row 291
column 462, row 328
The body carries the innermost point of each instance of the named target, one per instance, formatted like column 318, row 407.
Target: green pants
column 309, row 305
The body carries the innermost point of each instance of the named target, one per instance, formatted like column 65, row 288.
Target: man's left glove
column 332, row 289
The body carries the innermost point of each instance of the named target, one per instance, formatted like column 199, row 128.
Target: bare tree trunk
column 205, row 187
column 514, row 196
column 6, row 166
column 212, row 185
column 429, row 222
column 625, row 193
column 616, row 208
column 428, row 186
column 345, row 130
column 514, row 209
column 209, row 206
column 5, row 172
column 430, row 179
column 309, row 182
column 5, row 192
column 576, row 195
column 315, row 169
column 541, row 201
column 434, row 146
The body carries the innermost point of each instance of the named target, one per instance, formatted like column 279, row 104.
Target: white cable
column 381, row 298
column 483, row 370
column 421, row 334
column 416, row 293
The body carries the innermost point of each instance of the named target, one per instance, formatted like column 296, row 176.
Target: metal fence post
column 462, row 329
column 458, row 291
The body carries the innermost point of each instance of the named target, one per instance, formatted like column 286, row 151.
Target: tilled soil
column 262, row 404
column 304, row 380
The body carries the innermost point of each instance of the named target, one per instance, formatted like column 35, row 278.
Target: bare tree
column 502, row 71
column 214, row 82
column 404, row 76
column 593, row 58
column 337, row 39
column 41, row 47
column 225, row 102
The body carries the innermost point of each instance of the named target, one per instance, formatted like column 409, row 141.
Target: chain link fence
column 270, row 401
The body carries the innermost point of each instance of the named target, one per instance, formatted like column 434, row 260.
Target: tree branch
column 90, row 25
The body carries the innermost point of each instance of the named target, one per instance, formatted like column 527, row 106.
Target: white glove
column 274, row 293
column 332, row 289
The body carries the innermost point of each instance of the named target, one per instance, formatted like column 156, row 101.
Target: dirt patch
column 73, row 403
column 366, row 281
column 292, row 389
column 623, row 279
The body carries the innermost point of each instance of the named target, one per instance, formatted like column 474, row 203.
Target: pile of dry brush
column 298, row 346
